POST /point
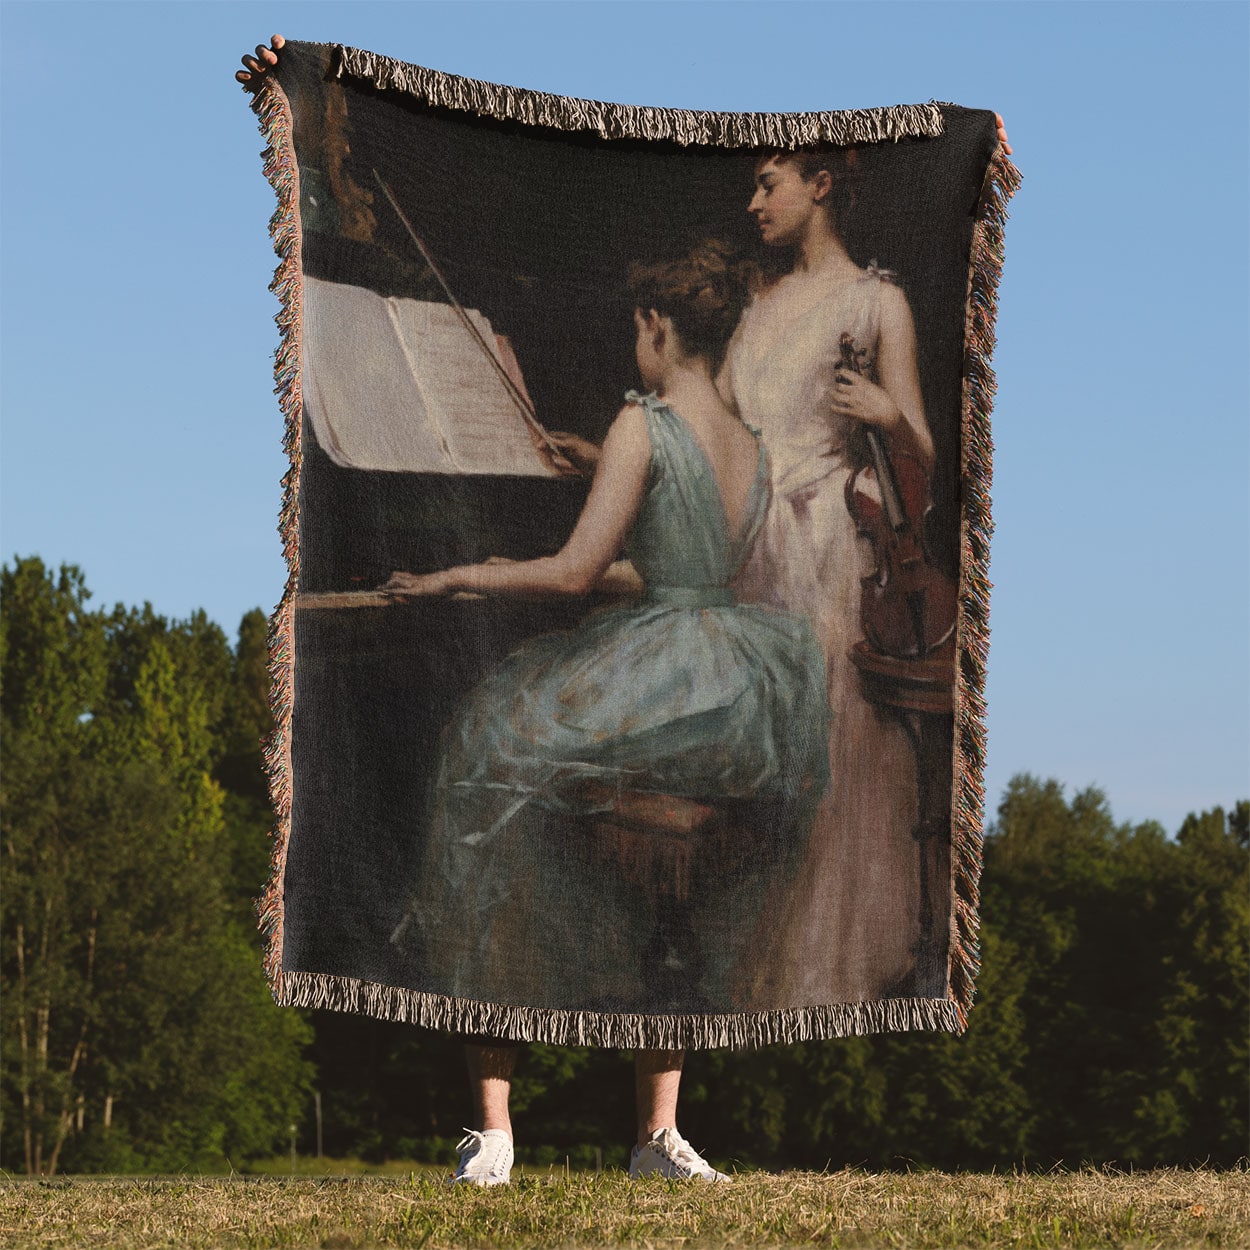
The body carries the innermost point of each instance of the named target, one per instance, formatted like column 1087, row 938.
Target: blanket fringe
column 627, row 1031
column 1002, row 179
column 629, row 121
column 274, row 113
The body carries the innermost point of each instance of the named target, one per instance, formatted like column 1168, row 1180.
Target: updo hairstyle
column 703, row 292
column 842, row 165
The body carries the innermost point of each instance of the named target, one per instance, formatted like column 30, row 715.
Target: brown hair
column 842, row 165
column 703, row 292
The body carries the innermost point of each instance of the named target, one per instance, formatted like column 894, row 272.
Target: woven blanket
column 628, row 677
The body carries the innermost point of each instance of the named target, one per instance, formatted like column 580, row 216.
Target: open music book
column 402, row 385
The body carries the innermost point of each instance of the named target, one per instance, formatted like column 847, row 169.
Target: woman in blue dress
column 682, row 695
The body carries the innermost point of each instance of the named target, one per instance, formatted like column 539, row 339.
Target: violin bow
column 515, row 393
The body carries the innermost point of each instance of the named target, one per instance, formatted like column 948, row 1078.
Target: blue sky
column 141, row 437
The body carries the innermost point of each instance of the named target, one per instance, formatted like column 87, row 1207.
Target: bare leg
column 490, row 1081
column 657, row 1078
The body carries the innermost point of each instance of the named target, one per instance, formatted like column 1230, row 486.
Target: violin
column 907, row 606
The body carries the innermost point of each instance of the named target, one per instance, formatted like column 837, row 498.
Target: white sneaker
column 485, row 1158
column 668, row 1153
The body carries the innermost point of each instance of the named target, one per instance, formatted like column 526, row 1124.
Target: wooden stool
column 658, row 840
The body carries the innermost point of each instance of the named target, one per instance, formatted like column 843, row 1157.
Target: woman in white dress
column 846, row 929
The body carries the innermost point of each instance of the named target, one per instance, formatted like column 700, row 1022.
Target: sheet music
column 401, row 385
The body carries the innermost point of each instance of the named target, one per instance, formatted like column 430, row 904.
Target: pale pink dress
column 845, row 928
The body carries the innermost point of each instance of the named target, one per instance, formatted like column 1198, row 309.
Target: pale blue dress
column 685, row 693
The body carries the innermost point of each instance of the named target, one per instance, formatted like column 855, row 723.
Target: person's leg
column 486, row 1152
column 490, row 1082
column 661, row 1149
column 657, row 1078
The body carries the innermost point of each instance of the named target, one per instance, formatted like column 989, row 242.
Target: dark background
column 537, row 227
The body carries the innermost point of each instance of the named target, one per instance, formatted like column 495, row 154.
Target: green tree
column 239, row 769
column 53, row 670
column 140, row 1031
column 1133, row 946
column 1198, row 1106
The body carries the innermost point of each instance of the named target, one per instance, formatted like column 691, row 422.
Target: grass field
column 840, row 1209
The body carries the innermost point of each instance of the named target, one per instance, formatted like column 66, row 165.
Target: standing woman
column 846, row 929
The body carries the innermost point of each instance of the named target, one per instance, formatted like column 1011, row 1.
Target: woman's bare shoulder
column 894, row 305
column 629, row 428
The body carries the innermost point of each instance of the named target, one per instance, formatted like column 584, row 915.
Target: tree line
column 138, row 1033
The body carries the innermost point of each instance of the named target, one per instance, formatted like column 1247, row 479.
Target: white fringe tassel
column 629, row 121
column 629, row 1032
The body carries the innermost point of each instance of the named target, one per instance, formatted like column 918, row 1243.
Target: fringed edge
column 629, row 121
column 1002, row 179
column 274, row 113
column 738, row 1031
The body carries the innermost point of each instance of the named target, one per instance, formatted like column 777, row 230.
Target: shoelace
column 683, row 1153
column 491, row 1159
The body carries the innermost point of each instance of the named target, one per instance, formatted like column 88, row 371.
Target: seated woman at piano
column 679, row 696
column 681, row 692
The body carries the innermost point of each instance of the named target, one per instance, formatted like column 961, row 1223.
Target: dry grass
column 842, row 1209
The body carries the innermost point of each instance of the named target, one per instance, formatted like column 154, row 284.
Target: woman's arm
column 621, row 578
column 597, row 539
column 894, row 403
column 580, row 453
column 900, row 375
